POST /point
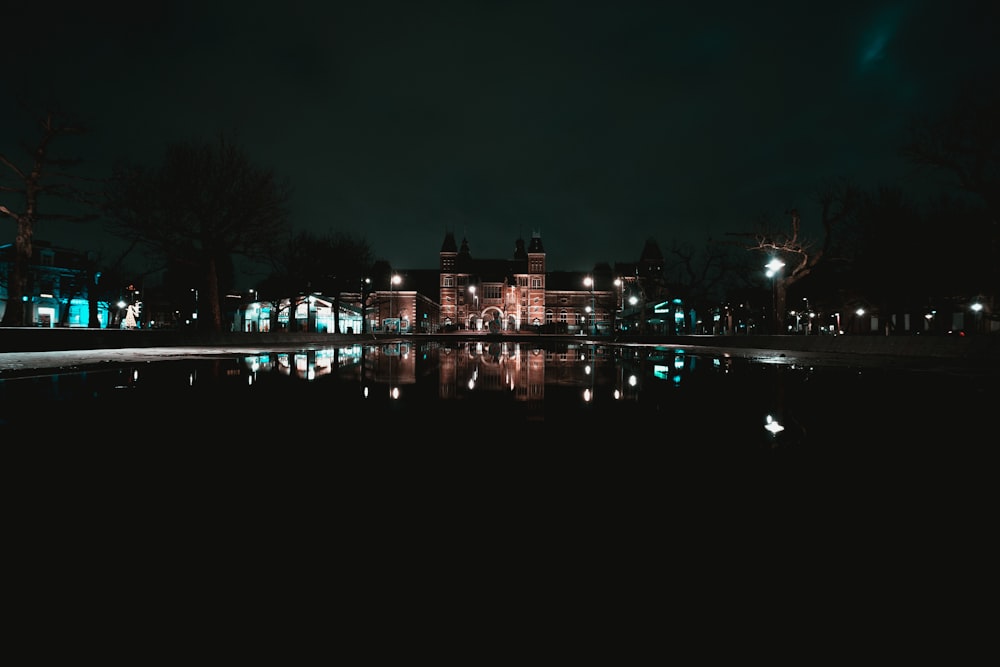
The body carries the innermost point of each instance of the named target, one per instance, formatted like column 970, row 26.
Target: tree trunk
column 17, row 285
column 336, row 312
column 93, row 313
column 780, row 309
column 214, row 308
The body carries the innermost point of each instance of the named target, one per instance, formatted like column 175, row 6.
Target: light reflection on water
column 508, row 392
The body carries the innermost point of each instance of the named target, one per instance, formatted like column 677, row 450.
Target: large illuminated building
column 520, row 294
column 489, row 295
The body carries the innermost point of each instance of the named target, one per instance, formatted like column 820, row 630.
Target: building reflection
column 540, row 382
column 680, row 401
column 306, row 364
column 524, row 371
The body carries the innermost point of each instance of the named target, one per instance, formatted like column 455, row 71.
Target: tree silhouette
column 800, row 254
column 206, row 203
column 42, row 174
column 703, row 277
column 964, row 141
column 307, row 263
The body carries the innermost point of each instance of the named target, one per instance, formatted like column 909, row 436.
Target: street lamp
column 395, row 281
column 773, row 267
column 475, row 301
column 366, row 285
column 252, row 312
column 977, row 308
column 589, row 283
column 620, row 284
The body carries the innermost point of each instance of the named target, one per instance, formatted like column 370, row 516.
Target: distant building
column 520, row 294
column 514, row 294
column 490, row 295
column 59, row 283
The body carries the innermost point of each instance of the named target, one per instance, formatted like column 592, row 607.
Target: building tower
column 448, row 283
column 535, row 279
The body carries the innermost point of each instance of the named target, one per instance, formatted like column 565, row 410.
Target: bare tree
column 307, row 263
column 42, row 174
column 206, row 203
column 964, row 141
column 703, row 275
column 799, row 254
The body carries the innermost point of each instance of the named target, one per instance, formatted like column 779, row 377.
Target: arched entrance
column 492, row 320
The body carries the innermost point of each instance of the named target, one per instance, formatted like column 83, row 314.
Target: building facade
column 465, row 293
column 59, row 287
column 520, row 294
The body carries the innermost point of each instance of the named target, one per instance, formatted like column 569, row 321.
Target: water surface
column 472, row 394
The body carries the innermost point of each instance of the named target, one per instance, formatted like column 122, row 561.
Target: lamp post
column 310, row 304
column 589, row 283
column 252, row 310
column 773, row 267
column 475, row 301
column 366, row 285
column 395, row 281
column 977, row 308
column 620, row 284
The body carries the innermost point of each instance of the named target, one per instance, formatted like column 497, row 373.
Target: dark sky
column 597, row 124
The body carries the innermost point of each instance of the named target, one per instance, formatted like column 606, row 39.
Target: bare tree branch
column 36, row 179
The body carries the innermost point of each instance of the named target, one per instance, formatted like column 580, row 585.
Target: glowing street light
column 396, row 279
column 366, row 286
column 773, row 267
column 977, row 308
column 475, row 301
column 589, row 284
column 773, row 426
column 620, row 284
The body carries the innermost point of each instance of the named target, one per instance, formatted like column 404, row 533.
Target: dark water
column 621, row 399
column 499, row 472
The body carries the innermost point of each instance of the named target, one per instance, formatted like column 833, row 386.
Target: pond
column 398, row 472
column 615, row 398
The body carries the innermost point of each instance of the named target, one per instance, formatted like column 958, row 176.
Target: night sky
column 596, row 124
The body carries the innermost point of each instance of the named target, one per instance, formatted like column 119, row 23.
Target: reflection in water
column 586, row 391
column 502, row 391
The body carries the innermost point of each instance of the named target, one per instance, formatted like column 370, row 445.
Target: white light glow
column 773, row 426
